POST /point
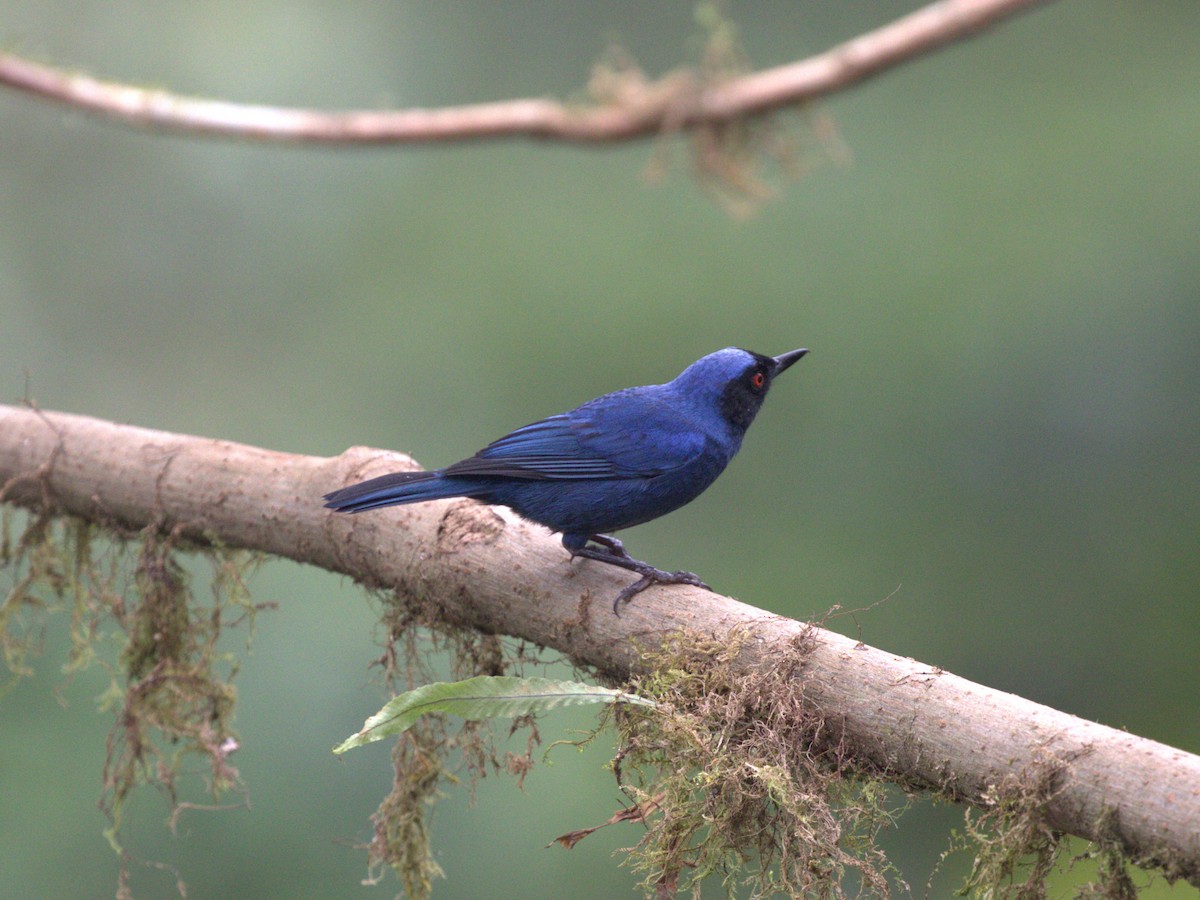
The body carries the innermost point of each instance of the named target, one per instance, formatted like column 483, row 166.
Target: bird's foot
column 651, row 575
column 615, row 555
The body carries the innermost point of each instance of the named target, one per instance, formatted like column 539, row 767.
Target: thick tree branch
column 674, row 102
column 499, row 574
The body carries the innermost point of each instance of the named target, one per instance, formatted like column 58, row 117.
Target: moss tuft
column 133, row 611
column 742, row 780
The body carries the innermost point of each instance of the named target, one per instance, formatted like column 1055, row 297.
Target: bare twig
column 673, row 103
column 913, row 723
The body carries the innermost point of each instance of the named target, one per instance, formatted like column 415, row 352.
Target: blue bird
column 614, row 462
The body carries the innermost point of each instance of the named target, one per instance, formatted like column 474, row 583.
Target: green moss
column 1015, row 853
column 133, row 611
column 742, row 780
column 734, row 161
column 435, row 752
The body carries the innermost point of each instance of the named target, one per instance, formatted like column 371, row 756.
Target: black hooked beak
column 785, row 360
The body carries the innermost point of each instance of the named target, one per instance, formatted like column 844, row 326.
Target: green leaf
column 482, row 697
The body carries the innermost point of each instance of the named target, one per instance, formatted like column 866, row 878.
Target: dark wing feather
column 544, row 450
column 616, row 436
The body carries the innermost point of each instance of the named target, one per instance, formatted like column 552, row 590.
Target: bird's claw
column 615, row 554
column 656, row 576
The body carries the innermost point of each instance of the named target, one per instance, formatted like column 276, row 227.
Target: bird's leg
column 616, row 555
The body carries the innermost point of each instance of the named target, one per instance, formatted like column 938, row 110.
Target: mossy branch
column 476, row 567
column 640, row 108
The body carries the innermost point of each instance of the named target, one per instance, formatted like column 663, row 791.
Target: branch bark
column 489, row 570
column 670, row 104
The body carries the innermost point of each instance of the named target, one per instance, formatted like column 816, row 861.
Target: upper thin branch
column 673, row 103
column 914, row 722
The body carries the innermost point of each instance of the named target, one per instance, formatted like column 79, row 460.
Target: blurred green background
column 997, row 429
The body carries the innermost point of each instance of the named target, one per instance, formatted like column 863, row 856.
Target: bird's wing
column 544, row 450
column 630, row 439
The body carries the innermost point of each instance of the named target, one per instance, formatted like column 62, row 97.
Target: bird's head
column 734, row 381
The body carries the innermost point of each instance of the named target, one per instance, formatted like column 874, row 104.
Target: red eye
column 757, row 380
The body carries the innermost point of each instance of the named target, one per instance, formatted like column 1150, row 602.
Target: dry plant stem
column 917, row 724
column 668, row 105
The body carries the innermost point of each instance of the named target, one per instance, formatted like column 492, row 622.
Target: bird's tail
column 394, row 489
